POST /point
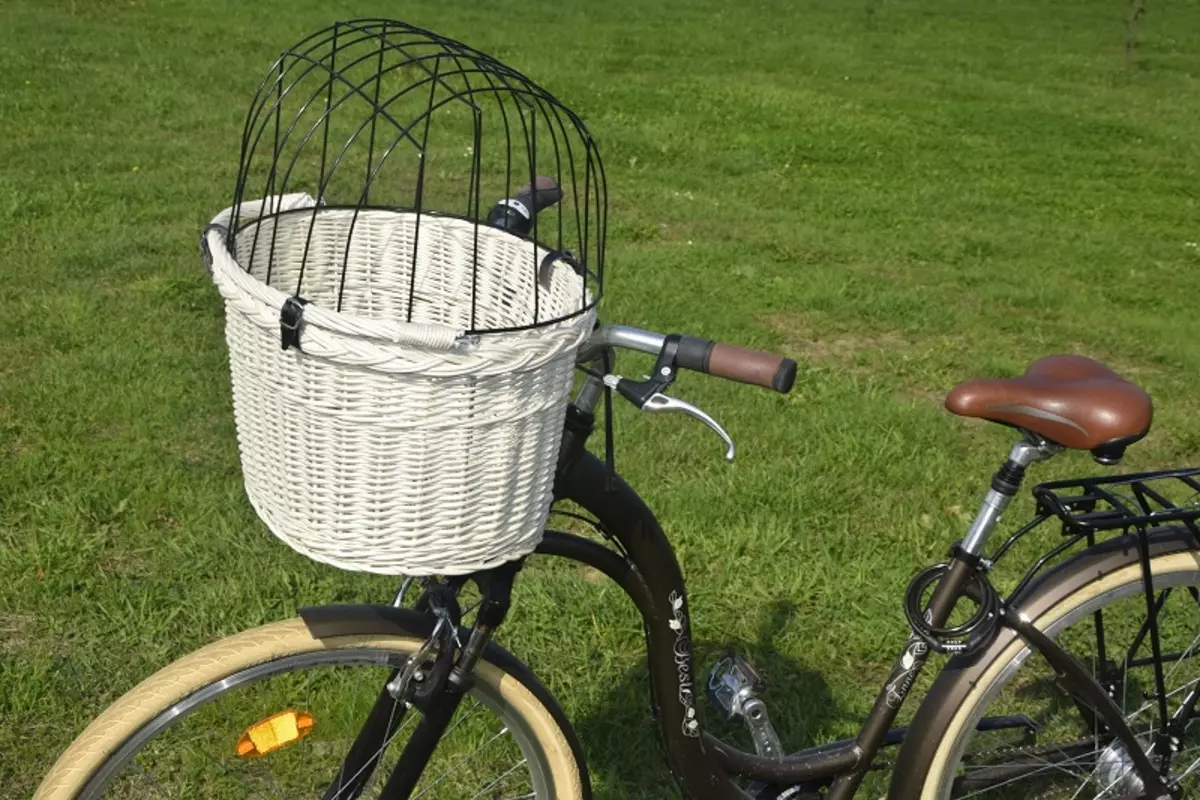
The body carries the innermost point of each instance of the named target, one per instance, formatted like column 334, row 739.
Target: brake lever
column 659, row 403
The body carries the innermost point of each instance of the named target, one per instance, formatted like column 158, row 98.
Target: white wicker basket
column 387, row 446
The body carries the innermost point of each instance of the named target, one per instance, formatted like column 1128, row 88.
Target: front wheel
column 194, row 729
column 1097, row 611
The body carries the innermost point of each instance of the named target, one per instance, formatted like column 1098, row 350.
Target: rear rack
column 1123, row 502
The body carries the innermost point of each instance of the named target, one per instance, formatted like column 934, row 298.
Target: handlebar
column 723, row 360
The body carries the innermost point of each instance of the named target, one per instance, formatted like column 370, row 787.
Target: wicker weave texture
column 389, row 446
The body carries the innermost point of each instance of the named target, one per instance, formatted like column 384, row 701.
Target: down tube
column 660, row 596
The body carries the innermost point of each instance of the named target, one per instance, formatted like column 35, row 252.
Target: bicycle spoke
column 464, row 716
column 342, row 766
column 462, row 761
column 1103, row 791
column 1050, row 767
column 1194, row 766
column 375, row 772
column 1009, row 782
column 513, row 769
column 1186, row 654
column 378, row 754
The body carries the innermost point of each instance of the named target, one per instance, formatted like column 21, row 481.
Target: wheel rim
column 188, row 750
column 1088, row 764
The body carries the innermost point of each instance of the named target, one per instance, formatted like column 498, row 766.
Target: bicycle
column 1107, row 720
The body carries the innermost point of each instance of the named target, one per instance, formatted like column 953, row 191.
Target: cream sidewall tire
column 221, row 659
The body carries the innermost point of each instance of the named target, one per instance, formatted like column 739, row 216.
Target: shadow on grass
column 622, row 741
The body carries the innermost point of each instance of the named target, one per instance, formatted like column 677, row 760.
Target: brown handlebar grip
column 541, row 194
column 752, row 366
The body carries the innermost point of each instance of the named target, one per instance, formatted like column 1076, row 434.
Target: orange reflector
column 273, row 733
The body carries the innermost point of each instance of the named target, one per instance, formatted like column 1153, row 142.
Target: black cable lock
column 290, row 317
column 969, row 637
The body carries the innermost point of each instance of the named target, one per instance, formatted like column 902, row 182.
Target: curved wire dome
column 375, row 116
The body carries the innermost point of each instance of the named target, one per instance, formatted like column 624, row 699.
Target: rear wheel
column 178, row 733
column 1067, row 752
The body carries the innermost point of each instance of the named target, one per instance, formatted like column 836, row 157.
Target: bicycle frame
column 644, row 565
column 648, row 571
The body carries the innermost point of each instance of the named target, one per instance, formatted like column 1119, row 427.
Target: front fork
column 435, row 690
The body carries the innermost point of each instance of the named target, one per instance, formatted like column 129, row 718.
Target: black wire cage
column 393, row 173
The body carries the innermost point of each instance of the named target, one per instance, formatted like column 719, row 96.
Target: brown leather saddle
column 1070, row 400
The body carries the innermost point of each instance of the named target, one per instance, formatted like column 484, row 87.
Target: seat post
column 1005, row 485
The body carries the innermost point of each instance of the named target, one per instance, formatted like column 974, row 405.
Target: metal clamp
column 398, row 686
column 552, row 257
column 438, row 648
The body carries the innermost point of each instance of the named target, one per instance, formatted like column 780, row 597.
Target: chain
column 1008, row 751
column 1032, row 750
column 1036, row 750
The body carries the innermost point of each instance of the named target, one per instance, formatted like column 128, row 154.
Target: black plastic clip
column 290, row 317
column 975, row 562
column 639, row 392
column 547, row 266
column 205, row 252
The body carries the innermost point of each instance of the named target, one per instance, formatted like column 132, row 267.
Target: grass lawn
column 898, row 194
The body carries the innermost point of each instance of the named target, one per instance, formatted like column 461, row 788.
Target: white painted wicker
column 388, row 446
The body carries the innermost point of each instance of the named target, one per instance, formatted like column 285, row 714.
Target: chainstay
column 1028, row 751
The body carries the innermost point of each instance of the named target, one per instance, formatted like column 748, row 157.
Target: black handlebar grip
column 693, row 353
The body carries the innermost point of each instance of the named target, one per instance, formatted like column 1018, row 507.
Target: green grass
column 899, row 194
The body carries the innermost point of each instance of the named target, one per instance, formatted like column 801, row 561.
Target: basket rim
column 222, row 225
column 419, row 212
